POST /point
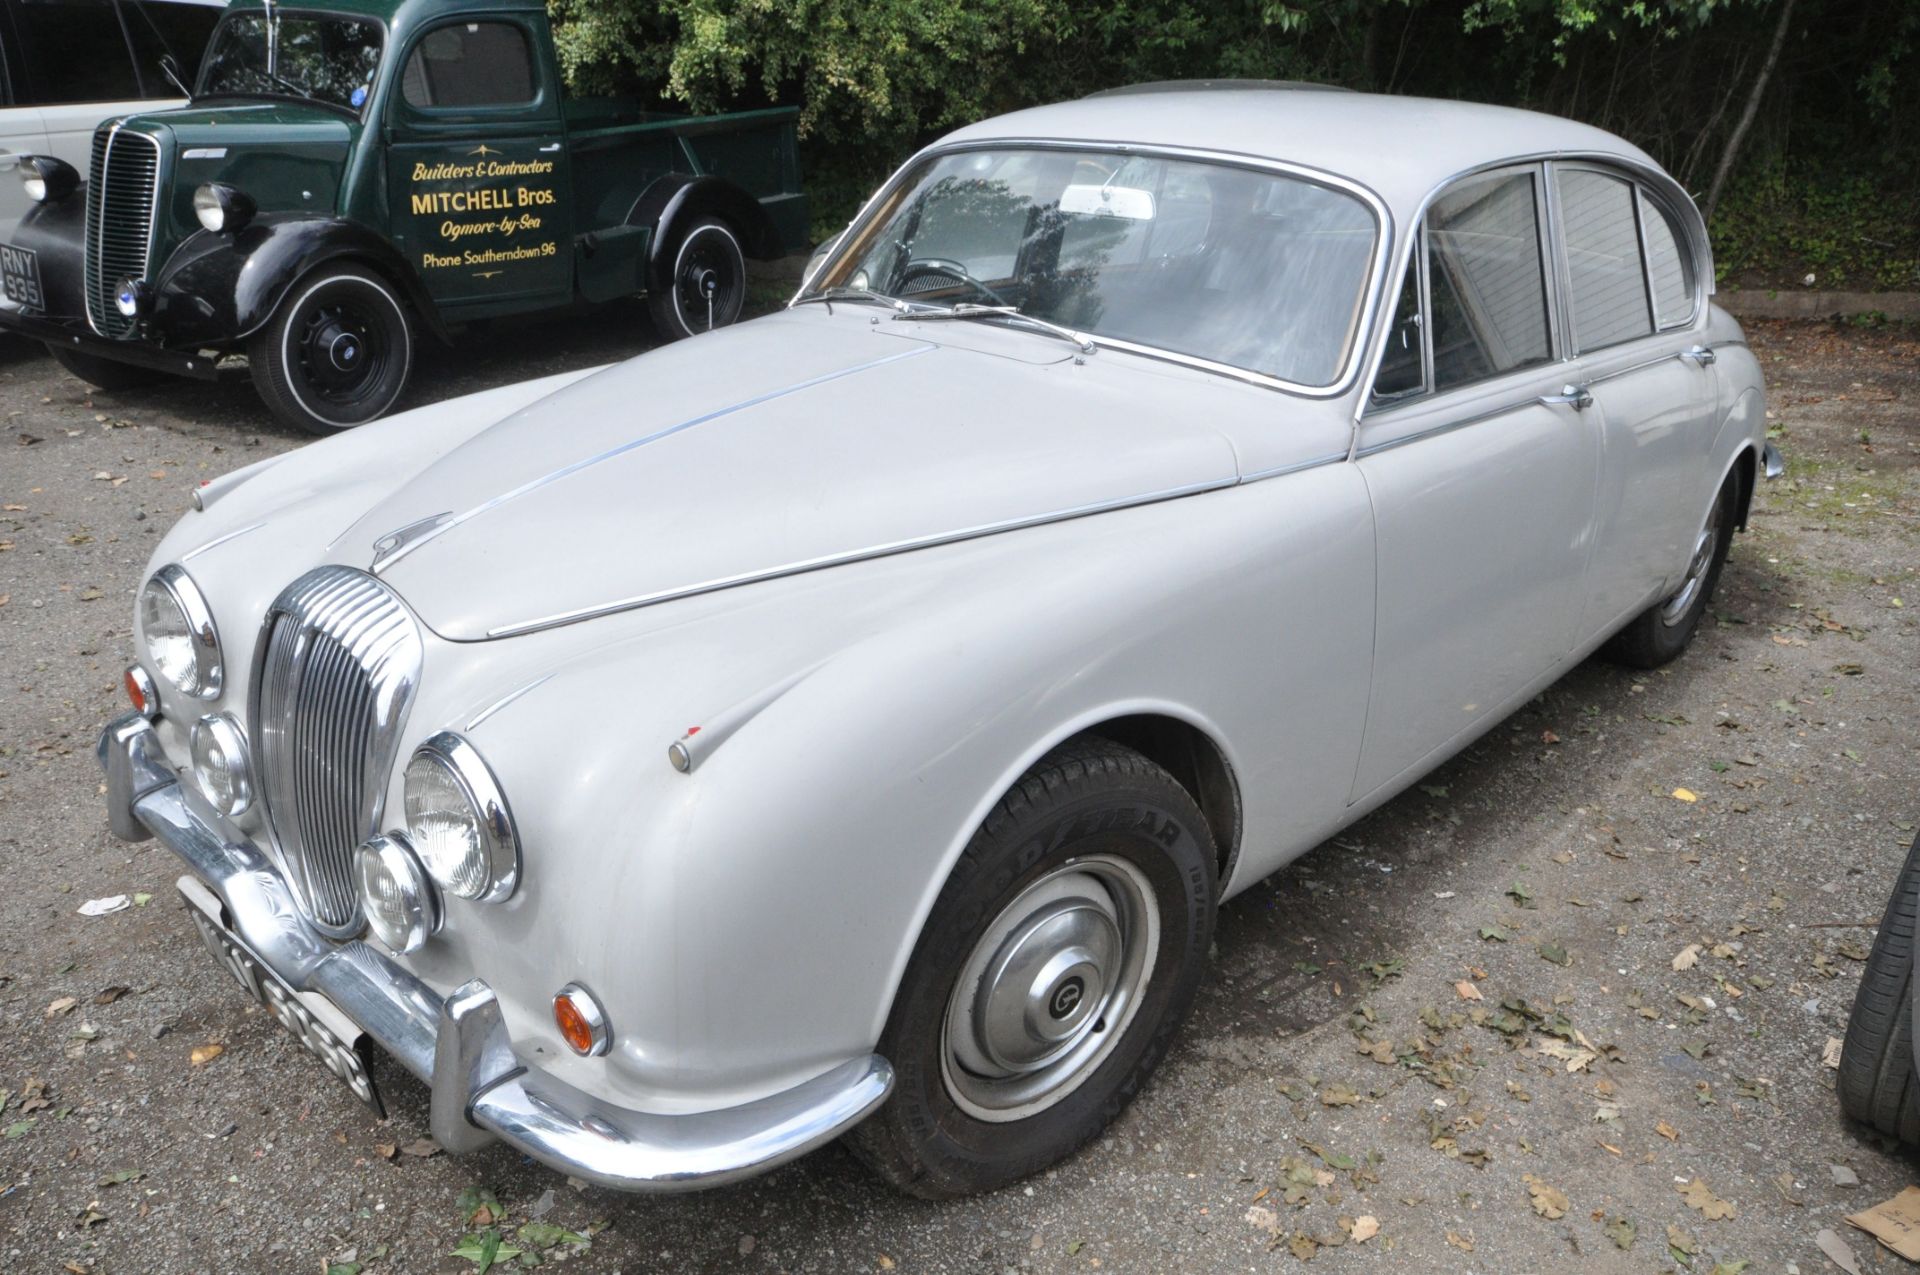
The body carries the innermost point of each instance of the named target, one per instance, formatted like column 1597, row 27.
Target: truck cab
column 350, row 179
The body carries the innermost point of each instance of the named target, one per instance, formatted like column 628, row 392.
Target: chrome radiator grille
column 338, row 661
column 121, row 191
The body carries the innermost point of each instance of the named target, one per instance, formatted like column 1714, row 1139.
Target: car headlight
column 402, row 908
column 222, row 207
column 48, row 180
column 220, row 763
column 458, row 820
column 181, row 641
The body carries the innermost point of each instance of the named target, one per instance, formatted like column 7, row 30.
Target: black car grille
column 338, row 662
column 121, row 193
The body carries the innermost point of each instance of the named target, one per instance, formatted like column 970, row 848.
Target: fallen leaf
column 1700, row 1196
column 1622, row 1232
column 1575, row 1057
column 1685, row 794
column 1837, row 1251
column 1688, row 958
column 1549, row 1202
column 1465, row 1243
column 1667, row 1131
column 386, row 1150
column 1365, row 1227
column 1830, row 1053
column 1467, row 991
column 204, row 1054
column 1338, row 1096
column 108, row 995
column 64, row 1005
column 1555, row 954
column 422, row 1148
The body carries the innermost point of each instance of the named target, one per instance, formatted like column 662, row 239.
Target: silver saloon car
column 851, row 722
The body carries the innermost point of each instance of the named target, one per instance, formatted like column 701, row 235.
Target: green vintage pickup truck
column 349, row 179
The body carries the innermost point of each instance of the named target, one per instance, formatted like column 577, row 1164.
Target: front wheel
column 104, row 374
column 706, row 287
column 1660, row 633
column 337, row 353
column 1059, row 960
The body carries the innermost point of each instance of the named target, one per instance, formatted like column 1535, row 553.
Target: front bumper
column 458, row 1043
column 75, row 335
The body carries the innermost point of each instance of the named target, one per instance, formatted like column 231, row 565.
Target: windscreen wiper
column 846, row 292
column 970, row 310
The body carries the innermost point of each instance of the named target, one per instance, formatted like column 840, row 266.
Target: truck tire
column 336, row 353
column 104, row 374
column 705, row 286
column 1056, row 966
column 1660, row 633
column 1876, row 1083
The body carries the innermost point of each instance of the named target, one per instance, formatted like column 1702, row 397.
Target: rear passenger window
column 1669, row 265
column 470, row 64
column 1597, row 219
column 1485, row 286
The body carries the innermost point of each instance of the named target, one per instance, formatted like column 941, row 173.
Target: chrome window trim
column 1363, row 318
column 1634, row 187
column 500, row 839
column 1642, row 198
column 1641, row 173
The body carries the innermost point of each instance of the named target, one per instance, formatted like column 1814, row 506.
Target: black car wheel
column 337, row 353
column 1058, row 962
column 707, row 285
column 104, row 374
column 1877, row 1084
column 1660, row 633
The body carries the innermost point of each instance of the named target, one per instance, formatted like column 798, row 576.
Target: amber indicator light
column 134, row 693
column 573, row 1025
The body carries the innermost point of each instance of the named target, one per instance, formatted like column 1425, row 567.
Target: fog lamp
column 222, row 207
column 131, row 296
column 220, row 763
column 48, row 180
column 582, row 1025
column 402, row 907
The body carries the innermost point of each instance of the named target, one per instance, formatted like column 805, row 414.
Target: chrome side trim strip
column 1331, row 458
column 1447, row 427
column 1641, row 366
column 507, row 699
column 217, row 541
column 857, row 555
column 384, row 560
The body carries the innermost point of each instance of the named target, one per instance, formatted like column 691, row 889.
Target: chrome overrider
column 459, row 1044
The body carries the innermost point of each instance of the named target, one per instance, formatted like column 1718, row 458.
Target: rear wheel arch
column 1745, row 469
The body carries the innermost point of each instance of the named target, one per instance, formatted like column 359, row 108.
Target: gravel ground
column 1337, row 1067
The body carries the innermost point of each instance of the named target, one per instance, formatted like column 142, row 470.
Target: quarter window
column 1669, row 265
column 470, row 64
column 1609, row 298
column 1486, row 289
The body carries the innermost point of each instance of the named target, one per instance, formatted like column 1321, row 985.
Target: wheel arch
column 1745, row 471
column 1196, row 762
column 672, row 201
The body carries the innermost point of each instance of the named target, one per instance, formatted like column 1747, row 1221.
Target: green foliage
column 1784, row 221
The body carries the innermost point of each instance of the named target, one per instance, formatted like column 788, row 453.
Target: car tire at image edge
column 1094, row 876
column 1876, row 1082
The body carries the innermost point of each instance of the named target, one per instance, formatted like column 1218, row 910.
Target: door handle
column 1577, row 397
column 548, row 150
column 1700, row 356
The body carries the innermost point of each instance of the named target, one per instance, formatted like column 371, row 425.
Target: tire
column 105, row 374
column 1093, row 831
column 706, row 265
column 1876, row 1082
column 1660, row 633
column 337, row 353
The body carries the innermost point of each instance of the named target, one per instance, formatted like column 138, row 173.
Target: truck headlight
column 178, row 627
column 400, row 902
column 220, row 763
column 48, row 180
column 222, row 207
column 131, row 296
column 458, row 820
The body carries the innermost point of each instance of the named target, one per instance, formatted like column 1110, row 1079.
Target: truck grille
column 120, row 210
column 338, row 661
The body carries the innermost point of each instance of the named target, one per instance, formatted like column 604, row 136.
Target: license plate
column 315, row 1021
column 20, row 275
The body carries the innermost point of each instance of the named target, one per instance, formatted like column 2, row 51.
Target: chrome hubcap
column 1675, row 608
column 1050, row 988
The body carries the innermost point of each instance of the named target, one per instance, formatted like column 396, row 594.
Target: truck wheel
column 336, row 353
column 104, row 374
column 1056, row 966
column 1877, row 1083
column 707, row 287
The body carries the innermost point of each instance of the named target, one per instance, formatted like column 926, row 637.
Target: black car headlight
column 458, row 821
column 222, row 207
column 182, row 644
column 48, row 180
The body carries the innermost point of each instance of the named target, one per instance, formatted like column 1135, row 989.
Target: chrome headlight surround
column 458, row 820
column 177, row 627
column 402, row 907
column 220, row 764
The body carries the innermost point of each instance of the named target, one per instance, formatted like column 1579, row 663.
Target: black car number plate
column 20, row 274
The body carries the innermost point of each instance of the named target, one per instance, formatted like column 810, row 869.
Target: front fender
column 218, row 289
column 57, row 234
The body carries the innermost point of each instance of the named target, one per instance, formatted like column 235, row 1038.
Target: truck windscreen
column 319, row 57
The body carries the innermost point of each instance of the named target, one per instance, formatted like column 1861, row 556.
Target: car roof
column 1400, row 147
